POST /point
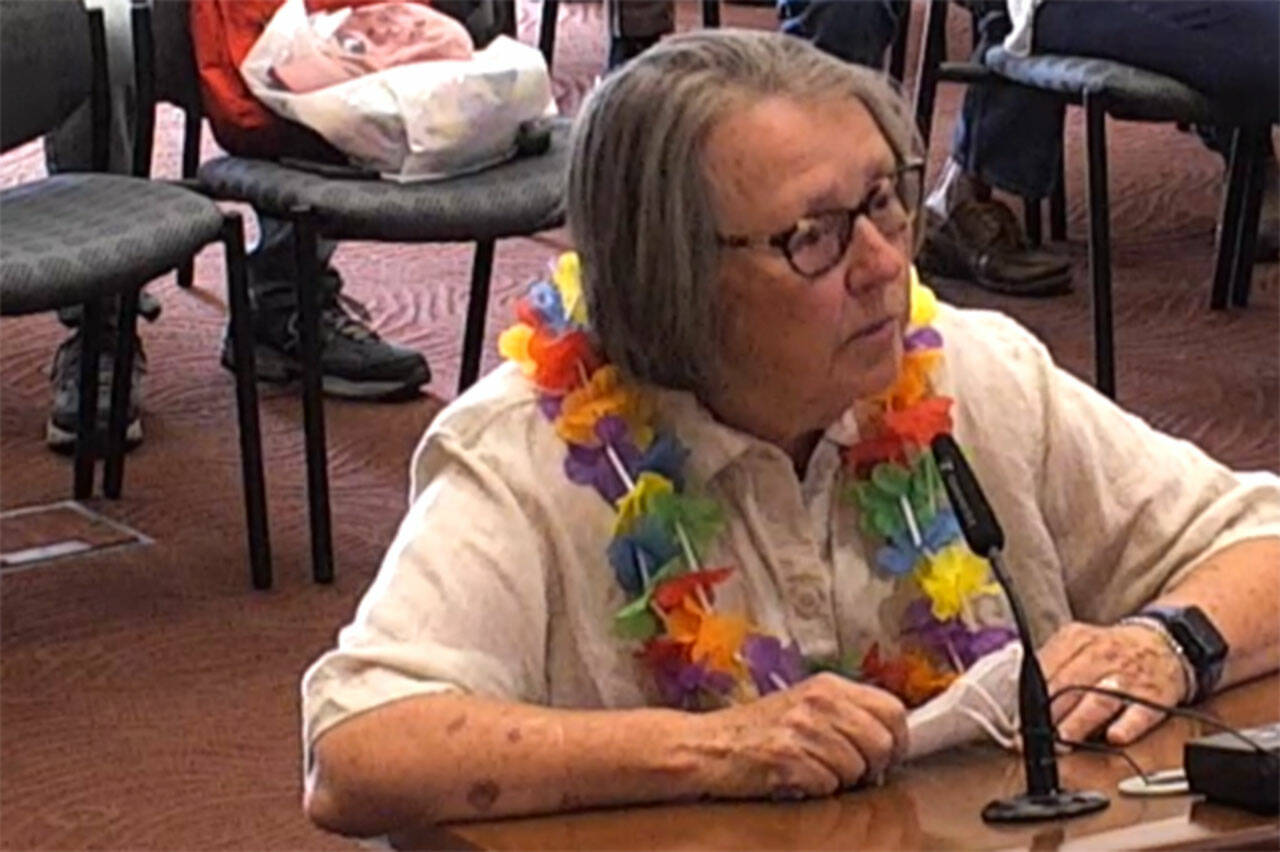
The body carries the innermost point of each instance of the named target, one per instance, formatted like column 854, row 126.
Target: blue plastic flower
column 901, row 554
column 666, row 456
column 648, row 541
column 544, row 298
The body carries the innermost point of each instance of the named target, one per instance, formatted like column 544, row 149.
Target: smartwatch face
column 1199, row 637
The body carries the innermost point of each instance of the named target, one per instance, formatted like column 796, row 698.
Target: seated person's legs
column 354, row 361
column 67, row 149
column 1009, row 138
column 855, row 32
column 634, row 25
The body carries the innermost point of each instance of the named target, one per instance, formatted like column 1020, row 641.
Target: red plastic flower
column 922, row 422
column 670, row 592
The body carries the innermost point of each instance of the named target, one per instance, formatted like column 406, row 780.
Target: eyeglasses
column 815, row 244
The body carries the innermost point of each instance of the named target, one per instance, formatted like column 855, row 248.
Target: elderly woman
column 692, row 543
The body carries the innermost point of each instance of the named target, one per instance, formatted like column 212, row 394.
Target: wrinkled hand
column 1129, row 658
column 819, row 736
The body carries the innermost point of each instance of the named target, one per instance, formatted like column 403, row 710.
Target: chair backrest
column 49, row 65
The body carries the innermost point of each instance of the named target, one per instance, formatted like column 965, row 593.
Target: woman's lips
column 871, row 329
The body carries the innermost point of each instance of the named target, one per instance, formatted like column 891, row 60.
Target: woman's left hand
column 1128, row 657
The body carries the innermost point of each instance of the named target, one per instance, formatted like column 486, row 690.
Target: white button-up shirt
column 497, row 582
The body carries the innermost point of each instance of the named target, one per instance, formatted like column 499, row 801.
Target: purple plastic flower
column 773, row 664
column 550, row 406
column 952, row 639
column 592, row 465
column 923, row 338
column 684, row 684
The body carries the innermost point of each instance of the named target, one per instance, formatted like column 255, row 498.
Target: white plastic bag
column 422, row 121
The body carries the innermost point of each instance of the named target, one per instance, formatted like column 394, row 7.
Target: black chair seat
column 75, row 237
column 521, row 196
column 1129, row 93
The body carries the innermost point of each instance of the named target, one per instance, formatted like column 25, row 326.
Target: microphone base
column 1030, row 807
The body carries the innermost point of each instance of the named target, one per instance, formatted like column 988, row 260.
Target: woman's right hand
column 819, row 736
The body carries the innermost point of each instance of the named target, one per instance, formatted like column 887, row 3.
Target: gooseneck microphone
column 1044, row 799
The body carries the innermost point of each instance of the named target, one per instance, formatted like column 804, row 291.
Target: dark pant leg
column 857, row 32
column 272, row 269
column 1009, row 136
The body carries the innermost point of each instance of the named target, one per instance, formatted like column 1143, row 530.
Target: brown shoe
column 981, row 241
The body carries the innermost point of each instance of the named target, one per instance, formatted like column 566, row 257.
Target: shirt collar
column 714, row 446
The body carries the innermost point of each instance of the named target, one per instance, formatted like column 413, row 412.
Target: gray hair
column 640, row 201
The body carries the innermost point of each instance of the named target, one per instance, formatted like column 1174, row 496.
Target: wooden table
column 931, row 804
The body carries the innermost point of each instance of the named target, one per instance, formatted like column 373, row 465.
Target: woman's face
column 806, row 346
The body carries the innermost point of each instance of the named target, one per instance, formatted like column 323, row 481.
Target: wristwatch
column 1200, row 642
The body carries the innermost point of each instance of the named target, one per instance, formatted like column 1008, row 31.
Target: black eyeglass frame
column 781, row 240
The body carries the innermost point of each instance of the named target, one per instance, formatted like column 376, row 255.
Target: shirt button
column 807, row 602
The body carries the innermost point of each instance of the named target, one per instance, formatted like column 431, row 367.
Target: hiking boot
column 60, row 431
column 355, row 363
column 982, row 242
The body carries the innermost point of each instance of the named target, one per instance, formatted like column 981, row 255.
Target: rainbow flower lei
column 701, row 657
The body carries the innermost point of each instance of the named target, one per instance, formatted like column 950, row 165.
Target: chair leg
column 121, row 390
column 1031, row 221
column 931, row 50
column 1258, row 147
column 308, row 286
column 1058, row 203
column 255, row 492
column 477, row 307
column 1229, row 220
column 190, row 163
column 898, row 49
column 87, row 413
column 710, row 14
column 547, row 31
column 1100, row 246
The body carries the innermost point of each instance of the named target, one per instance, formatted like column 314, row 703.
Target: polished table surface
column 933, row 803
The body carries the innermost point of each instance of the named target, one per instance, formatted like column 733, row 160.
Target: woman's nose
column 876, row 259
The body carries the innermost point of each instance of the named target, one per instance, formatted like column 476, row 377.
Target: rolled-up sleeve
column 1131, row 509
column 459, row 602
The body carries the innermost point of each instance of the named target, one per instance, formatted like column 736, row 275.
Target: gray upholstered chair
column 1105, row 88
column 81, row 238
column 518, row 198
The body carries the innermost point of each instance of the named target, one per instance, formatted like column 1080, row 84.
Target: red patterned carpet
column 150, row 698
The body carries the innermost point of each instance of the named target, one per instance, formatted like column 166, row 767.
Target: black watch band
column 1200, row 641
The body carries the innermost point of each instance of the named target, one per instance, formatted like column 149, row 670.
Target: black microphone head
column 977, row 520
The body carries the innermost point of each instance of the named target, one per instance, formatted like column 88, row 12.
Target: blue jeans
column 1011, row 137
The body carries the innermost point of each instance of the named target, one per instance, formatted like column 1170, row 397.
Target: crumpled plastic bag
column 414, row 120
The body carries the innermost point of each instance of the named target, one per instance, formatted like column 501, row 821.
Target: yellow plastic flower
column 513, row 344
column 568, row 280
column 913, row 379
column 638, row 502
column 952, row 577
column 924, row 304
column 602, row 395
